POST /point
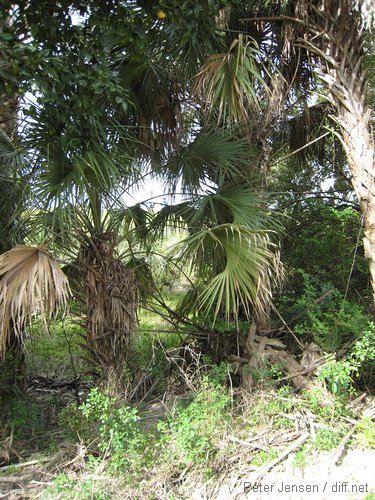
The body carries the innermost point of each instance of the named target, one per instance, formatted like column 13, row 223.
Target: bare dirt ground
column 320, row 479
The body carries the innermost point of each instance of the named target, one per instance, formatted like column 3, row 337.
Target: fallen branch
column 269, row 465
column 16, row 479
column 341, row 449
column 23, row 464
column 251, row 445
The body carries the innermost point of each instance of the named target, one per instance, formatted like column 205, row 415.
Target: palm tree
column 319, row 47
column 84, row 152
column 229, row 244
column 337, row 38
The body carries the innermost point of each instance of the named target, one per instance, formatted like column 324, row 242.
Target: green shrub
column 358, row 363
column 322, row 312
column 112, row 426
column 363, row 355
column 338, row 375
column 326, row 406
column 69, row 489
column 327, row 438
column 191, row 435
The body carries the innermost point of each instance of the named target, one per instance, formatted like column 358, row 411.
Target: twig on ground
column 23, row 464
column 269, row 465
column 246, row 443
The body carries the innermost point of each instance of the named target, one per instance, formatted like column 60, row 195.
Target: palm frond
column 170, row 217
column 31, row 281
column 228, row 82
column 213, row 156
column 189, row 40
column 155, row 111
column 239, row 263
column 10, row 153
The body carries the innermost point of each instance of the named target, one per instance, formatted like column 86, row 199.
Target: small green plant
column 301, row 458
column 359, row 362
column 322, row 310
column 369, row 496
column 263, row 372
column 219, row 373
column 365, row 435
column 327, row 438
column 338, row 374
column 276, row 405
column 74, row 489
column 114, row 427
column 325, row 405
column 190, row 436
column 263, row 456
column 363, row 355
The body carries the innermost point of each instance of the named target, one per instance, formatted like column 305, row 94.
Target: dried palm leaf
column 30, row 282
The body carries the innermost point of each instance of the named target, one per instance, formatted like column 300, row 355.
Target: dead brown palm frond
column 30, row 281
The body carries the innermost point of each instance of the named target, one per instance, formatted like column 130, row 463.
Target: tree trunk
column 358, row 143
column 13, row 365
column 110, row 309
column 337, row 38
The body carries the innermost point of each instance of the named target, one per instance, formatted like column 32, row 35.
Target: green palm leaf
column 239, row 264
column 213, row 155
column 228, row 82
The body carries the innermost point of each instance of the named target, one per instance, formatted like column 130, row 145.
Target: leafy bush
column 191, row 434
column 100, row 418
column 363, row 354
column 358, row 363
column 69, row 489
column 323, row 312
column 325, row 405
column 338, row 375
column 327, row 438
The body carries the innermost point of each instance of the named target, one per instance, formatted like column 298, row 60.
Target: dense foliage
column 249, row 268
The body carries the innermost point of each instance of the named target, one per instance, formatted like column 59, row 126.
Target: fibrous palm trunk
column 110, row 308
column 337, row 38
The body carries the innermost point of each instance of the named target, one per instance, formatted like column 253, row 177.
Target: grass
column 56, row 352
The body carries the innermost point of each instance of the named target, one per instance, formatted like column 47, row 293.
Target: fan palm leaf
column 244, row 262
column 30, row 281
column 227, row 83
column 213, row 155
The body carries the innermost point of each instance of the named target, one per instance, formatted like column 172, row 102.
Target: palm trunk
column 354, row 120
column 337, row 40
column 110, row 309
